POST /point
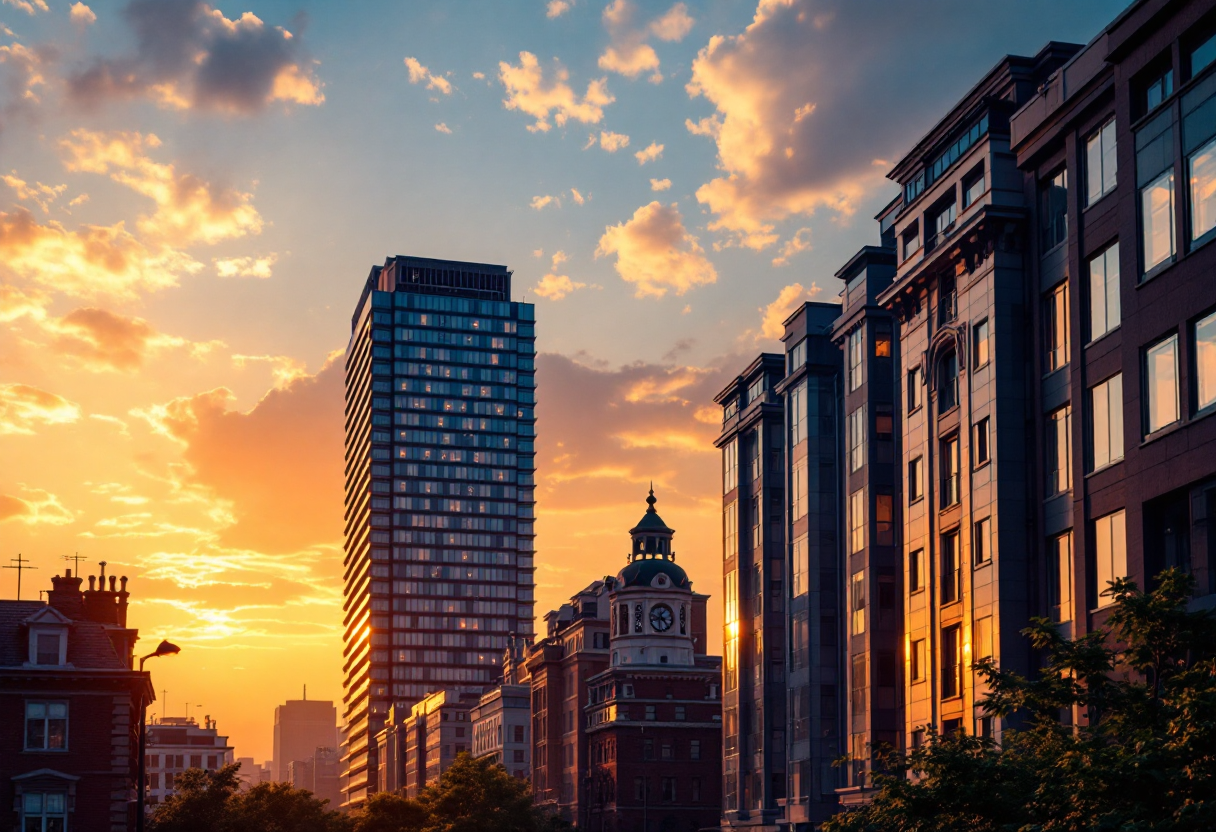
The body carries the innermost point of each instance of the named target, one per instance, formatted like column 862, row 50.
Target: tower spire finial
column 651, row 500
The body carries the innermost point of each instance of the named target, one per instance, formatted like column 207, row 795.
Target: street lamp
column 165, row 648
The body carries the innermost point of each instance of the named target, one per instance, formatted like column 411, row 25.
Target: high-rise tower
column 440, row 428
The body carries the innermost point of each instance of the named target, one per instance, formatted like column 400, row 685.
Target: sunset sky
column 192, row 195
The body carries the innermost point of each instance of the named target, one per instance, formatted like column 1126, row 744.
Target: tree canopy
column 1117, row 731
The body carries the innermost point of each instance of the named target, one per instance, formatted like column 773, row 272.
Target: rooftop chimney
column 65, row 595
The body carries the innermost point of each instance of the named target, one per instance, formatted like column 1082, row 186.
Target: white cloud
column 628, row 52
column 577, row 196
column 649, row 153
column 82, row 14
column 539, row 202
column 544, row 98
column 656, row 253
column 443, row 128
column 29, row 6
column 612, row 142
column 557, row 8
column 419, row 73
column 660, row 184
column 245, row 266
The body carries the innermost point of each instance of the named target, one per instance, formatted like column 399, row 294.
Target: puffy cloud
column 649, row 153
column 24, row 407
column 656, row 253
column 556, row 286
column 188, row 208
column 530, row 92
column 259, row 267
column 82, row 14
column 539, row 202
column 628, row 53
column 279, row 465
column 36, row 507
column 800, row 242
column 283, row 368
column 419, row 73
column 103, row 340
column 39, row 194
column 443, row 128
column 15, row 304
column 89, row 261
column 188, row 55
column 29, row 6
column 788, row 300
column 612, row 142
column 660, row 184
column 557, row 8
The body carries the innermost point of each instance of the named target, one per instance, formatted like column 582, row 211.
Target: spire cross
column 20, row 566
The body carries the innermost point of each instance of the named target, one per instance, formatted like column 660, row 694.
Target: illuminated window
column 730, row 466
column 1205, row 362
column 1101, row 163
column 1104, row 311
column 858, row 602
column 857, row 438
column 1055, row 328
column 952, row 662
column 1110, row 553
column 1059, row 577
column 1106, row 423
column 857, row 356
column 1161, row 384
column 1058, row 447
column 857, row 520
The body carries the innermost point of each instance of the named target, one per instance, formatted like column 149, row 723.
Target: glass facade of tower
column 440, row 462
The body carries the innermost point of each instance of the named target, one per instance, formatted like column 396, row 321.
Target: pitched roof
column 89, row 645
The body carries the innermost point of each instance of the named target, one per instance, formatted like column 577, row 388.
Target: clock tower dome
column 652, row 599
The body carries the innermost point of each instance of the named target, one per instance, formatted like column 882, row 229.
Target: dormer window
column 47, row 648
column 48, row 633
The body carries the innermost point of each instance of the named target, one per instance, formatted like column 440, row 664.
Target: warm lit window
column 730, row 530
column 801, row 566
column 980, row 346
column 798, row 405
column 915, row 479
column 1058, row 446
column 1205, row 362
column 1101, row 163
column 952, row 573
column 857, row 438
column 1157, row 220
column 950, row 493
column 730, row 466
column 1055, row 328
column 914, row 389
column 981, row 542
column 1106, row 423
column 857, row 520
column 981, row 442
column 884, row 519
column 857, row 603
column 1110, row 552
column 882, row 343
column 1059, row 578
column 916, row 570
column 1104, row 292
column 46, row 726
column 1161, row 384
column 857, row 357
column 1053, row 218
column 798, row 490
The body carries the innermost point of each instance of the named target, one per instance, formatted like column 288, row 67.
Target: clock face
column 661, row 617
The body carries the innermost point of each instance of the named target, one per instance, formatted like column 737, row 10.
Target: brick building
column 626, row 706
column 70, row 705
column 177, row 743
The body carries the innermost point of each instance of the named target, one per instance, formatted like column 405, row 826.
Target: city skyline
column 174, row 406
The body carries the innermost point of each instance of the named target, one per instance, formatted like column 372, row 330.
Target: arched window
column 947, row 381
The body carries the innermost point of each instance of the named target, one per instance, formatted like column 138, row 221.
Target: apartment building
column 175, row 744
column 1118, row 154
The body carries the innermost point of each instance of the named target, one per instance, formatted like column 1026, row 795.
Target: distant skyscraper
column 301, row 726
column 440, row 427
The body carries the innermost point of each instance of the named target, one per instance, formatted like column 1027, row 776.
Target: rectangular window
column 1161, row 383
column 857, row 438
column 916, row 658
column 1203, row 55
column 801, row 566
column 44, row 812
column 882, row 342
column 46, row 648
column 884, row 519
column 757, row 388
column 1055, row 328
column 730, row 466
column 1202, row 174
column 1157, row 89
column 797, row 355
column 1157, row 220
column 798, row 494
column 1205, row 362
column 798, row 405
column 951, row 491
column 916, row 570
column 947, row 299
column 857, row 602
column 46, row 726
column 982, row 647
column 979, row 343
column 1110, row 553
column 1104, row 312
column 915, row 479
column 973, row 186
column 910, row 241
column 694, row 750
column 669, row 789
column 755, row 448
column 982, row 541
column 1059, row 578
column 1106, row 423
column 857, row 357
column 914, row 389
column 952, row 662
column 730, row 530
column 1059, row 465
column 1101, row 163
column 857, row 521
column 952, row 574
column 1053, row 200
column 981, row 442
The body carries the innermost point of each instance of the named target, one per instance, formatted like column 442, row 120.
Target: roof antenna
column 306, row 693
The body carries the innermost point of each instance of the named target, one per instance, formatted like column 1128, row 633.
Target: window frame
column 1055, row 232
column 857, row 358
column 1059, row 573
column 1053, row 453
column 1147, row 270
column 981, row 343
column 952, row 637
column 1108, row 255
column 976, row 175
column 981, row 442
column 916, row 571
column 1118, row 552
column 1197, row 362
column 1148, row 387
column 46, row 719
column 1057, row 328
column 916, row 396
column 947, row 382
column 951, row 486
column 1113, row 407
column 951, row 567
column 1099, row 136
column 916, row 479
column 981, row 542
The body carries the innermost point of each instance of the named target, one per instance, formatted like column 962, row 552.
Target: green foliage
column 471, row 796
column 1142, row 757
column 211, row 801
